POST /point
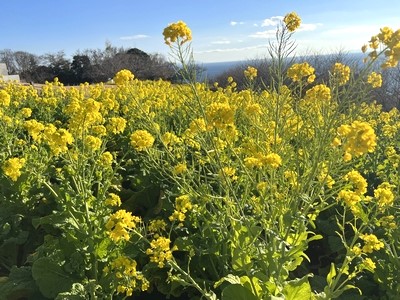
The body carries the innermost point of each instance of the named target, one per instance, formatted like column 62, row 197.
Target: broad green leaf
column 252, row 284
column 237, row 292
column 18, row 285
column 298, row 289
column 50, row 277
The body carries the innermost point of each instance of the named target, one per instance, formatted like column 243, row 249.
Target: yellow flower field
column 203, row 192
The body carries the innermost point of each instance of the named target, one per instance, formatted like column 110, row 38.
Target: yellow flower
column 341, row 72
column 297, row 71
column 371, row 243
column 116, row 125
column 273, row 160
column 228, row 172
column 178, row 31
column 250, row 73
column 157, row 225
column 384, row 195
column 375, row 80
column 180, row 169
column 12, row 167
column 358, row 181
column 113, row 200
column 123, row 76
column 160, row 251
column 292, row 21
column 5, row 98
column 106, row 159
column 120, row 224
column 369, row 264
column 220, row 114
column 359, row 138
column 141, row 140
column 127, row 275
column 93, row 143
column 320, row 93
column 34, row 129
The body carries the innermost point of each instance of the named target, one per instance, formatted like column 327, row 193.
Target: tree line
column 91, row 65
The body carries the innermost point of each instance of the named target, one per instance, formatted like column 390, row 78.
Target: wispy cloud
column 309, row 27
column 232, row 49
column 221, row 42
column 273, row 21
column 263, row 34
column 266, row 34
column 134, row 37
column 234, row 23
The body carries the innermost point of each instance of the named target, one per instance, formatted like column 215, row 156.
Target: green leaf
column 297, row 289
column 18, row 285
column 237, row 292
column 233, row 279
column 50, row 277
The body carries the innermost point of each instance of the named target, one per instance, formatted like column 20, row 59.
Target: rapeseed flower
column 120, row 224
column 359, row 138
column 123, row 76
column 116, row 125
column 250, row 73
column 159, row 251
column 141, row 140
column 5, row 98
column 371, row 243
column 384, row 195
column 12, row 167
column 341, row 73
column 113, row 200
column 297, row 71
column 178, row 31
column 375, row 80
column 292, row 21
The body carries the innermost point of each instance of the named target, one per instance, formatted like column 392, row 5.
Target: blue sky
column 222, row 30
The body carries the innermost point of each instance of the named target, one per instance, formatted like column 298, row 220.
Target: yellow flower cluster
column 116, row 125
column 292, row 21
column 319, row 93
column 359, row 138
column 5, row 98
column 106, row 159
column 341, row 73
column 141, row 140
column 390, row 40
column 159, row 251
column 228, row 172
column 128, row 277
column 371, row 243
column 297, row 71
column 113, row 200
column 220, row 114
column 12, row 167
column 178, row 31
column 352, row 196
column 182, row 206
column 122, row 77
column 384, row 195
column 375, row 80
column 120, row 224
column 260, row 160
column 250, row 73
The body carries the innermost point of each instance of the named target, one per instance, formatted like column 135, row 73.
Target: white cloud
column 222, row 42
column 134, row 37
column 234, row 23
column 263, row 34
column 309, row 27
column 273, row 21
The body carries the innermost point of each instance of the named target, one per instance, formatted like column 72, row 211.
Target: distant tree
column 7, row 57
column 80, row 69
column 26, row 64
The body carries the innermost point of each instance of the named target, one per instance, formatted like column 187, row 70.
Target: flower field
column 153, row 190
